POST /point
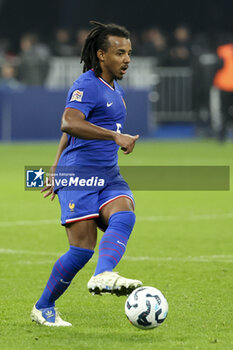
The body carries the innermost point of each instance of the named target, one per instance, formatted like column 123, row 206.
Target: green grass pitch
column 182, row 244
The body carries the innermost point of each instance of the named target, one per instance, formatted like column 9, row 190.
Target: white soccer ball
column 146, row 307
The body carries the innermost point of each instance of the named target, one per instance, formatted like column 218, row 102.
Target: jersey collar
column 104, row 82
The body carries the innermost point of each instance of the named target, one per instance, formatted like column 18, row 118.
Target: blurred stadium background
column 182, row 241
column 171, row 86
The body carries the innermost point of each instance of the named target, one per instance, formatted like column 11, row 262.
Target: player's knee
column 122, row 221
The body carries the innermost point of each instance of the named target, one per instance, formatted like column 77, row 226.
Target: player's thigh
column 82, row 234
column 118, row 204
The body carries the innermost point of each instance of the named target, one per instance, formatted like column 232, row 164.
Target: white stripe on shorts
column 90, row 216
column 112, row 199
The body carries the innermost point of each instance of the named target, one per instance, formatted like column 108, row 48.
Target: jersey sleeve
column 82, row 96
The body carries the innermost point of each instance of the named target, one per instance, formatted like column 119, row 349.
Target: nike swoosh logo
column 62, row 281
column 109, row 104
column 121, row 243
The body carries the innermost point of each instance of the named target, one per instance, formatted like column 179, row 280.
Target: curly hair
column 98, row 39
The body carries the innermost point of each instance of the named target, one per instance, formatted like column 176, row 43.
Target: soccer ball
column 146, row 308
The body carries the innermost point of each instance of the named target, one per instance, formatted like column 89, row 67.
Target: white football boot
column 112, row 282
column 48, row 317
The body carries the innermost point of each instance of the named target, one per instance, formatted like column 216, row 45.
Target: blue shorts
column 77, row 205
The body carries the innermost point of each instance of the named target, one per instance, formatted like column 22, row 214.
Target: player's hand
column 49, row 189
column 126, row 142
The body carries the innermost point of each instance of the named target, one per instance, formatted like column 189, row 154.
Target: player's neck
column 108, row 78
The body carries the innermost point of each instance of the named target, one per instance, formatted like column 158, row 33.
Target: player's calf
column 111, row 249
column 114, row 241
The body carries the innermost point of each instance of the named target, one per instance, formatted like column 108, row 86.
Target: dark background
column 44, row 16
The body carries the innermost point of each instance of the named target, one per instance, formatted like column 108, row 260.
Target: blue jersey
column 103, row 106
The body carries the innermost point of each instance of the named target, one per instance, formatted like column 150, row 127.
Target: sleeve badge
column 77, row 95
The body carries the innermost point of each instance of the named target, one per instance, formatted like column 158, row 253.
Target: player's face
column 116, row 59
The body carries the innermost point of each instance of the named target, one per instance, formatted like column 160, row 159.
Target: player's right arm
column 74, row 123
column 62, row 145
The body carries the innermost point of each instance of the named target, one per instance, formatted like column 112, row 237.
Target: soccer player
column 91, row 124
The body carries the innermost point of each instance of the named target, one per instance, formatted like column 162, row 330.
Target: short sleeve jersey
column 102, row 105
